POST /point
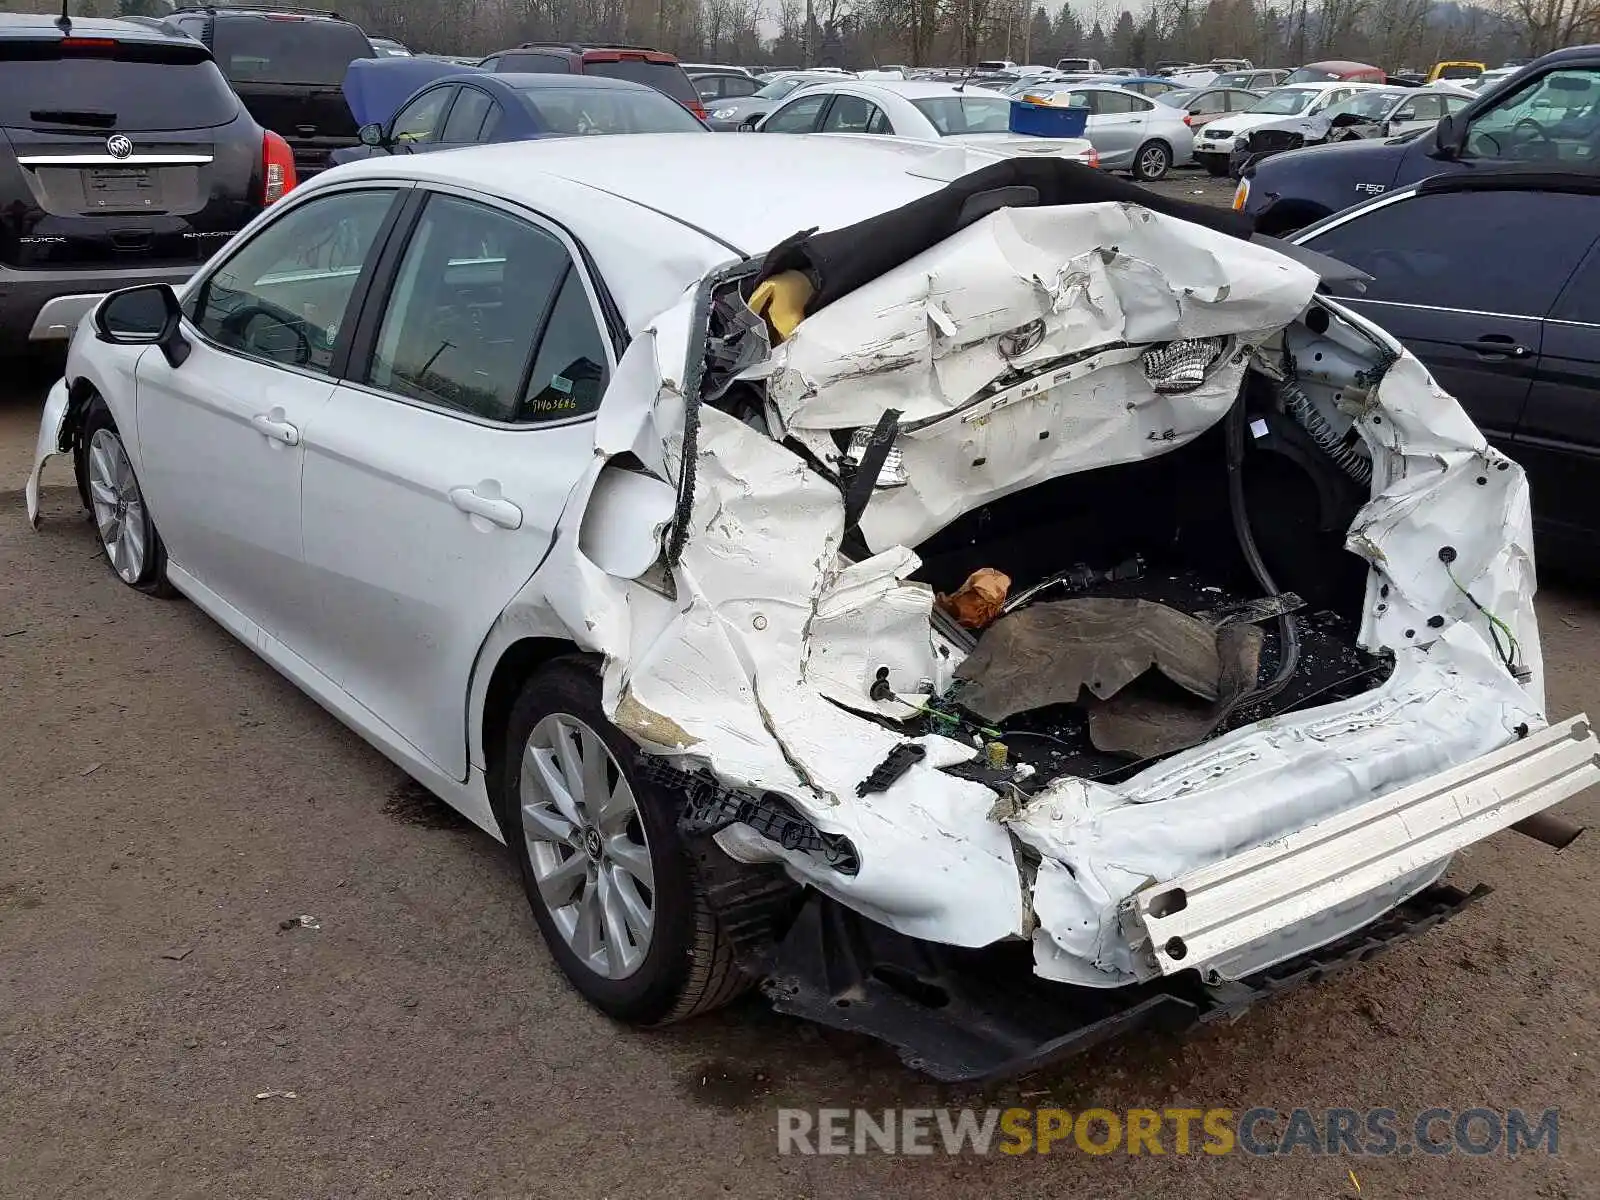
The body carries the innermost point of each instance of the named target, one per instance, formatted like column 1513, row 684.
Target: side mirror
column 147, row 315
column 1447, row 137
column 371, row 134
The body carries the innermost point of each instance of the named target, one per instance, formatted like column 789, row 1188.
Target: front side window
column 419, row 121
column 1207, row 104
column 488, row 318
column 1553, row 119
column 282, row 296
column 798, row 116
column 1420, row 250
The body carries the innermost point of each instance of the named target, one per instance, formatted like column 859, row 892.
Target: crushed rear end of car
column 1058, row 618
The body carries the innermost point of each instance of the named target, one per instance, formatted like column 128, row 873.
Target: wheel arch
column 1286, row 216
column 498, row 686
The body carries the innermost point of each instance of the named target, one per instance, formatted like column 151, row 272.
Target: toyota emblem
column 118, row 146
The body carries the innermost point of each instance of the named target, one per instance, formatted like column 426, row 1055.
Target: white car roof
column 657, row 211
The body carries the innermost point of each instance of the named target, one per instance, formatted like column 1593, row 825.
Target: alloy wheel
column 118, row 505
column 587, row 845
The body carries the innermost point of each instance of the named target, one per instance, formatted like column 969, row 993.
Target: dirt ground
column 168, row 805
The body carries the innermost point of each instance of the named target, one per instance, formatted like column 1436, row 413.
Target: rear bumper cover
column 44, row 306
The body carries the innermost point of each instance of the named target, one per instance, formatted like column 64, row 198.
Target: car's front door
column 418, row 125
column 1559, row 439
column 1464, row 279
column 221, row 436
column 436, row 474
column 1119, row 120
column 1420, row 112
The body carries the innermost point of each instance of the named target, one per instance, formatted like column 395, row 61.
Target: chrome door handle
column 485, row 501
column 272, row 425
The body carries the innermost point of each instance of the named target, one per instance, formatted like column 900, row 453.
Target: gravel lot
column 168, row 803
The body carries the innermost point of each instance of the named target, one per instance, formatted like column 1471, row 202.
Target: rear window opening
column 263, row 50
column 107, row 90
column 667, row 78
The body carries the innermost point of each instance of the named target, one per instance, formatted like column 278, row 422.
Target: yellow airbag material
column 781, row 301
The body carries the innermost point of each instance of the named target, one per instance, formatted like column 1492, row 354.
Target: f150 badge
column 1372, row 189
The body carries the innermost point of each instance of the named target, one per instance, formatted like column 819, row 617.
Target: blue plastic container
column 1047, row 120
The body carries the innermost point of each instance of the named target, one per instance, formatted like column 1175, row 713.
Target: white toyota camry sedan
column 985, row 604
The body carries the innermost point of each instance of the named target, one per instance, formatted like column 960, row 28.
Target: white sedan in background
column 1130, row 132
column 615, row 513
column 922, row 111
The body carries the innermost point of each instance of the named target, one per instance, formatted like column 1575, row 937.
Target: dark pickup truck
column 1547, row 114
column 286, row 64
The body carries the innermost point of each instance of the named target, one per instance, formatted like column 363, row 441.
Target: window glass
column 419, row 120
column 1454, row 104
column 708, row 87
column 254, row 48
column 122, row 95
column 1424, row 250
column 536, row 64
column 1285, row 102
column 580, row 111
column 569, row 372
column 667, row 78
column 1554, row 119
column 1118, row 103
column 1241, row 101
column 1208, row 103
column 850, row 114
column 282, row 295
column 490, row 122
column 738, row 85
column 466, row 117
column 467, row 303
column 798, row 116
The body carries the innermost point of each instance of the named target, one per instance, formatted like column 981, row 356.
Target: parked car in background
column 124, row 158
column 287, row 65
column 731, row 115
column 1085, row 65
column 710, row 68
column 1485, row 82
column 1548, row 114
column 1145, row 85
column 1130, row 132
column 388, row 47
column 1460, row 72
column 1336, row 71
column 652, row 68
column 1254, row 80
column 1299, row 110
column 483, row 107
column 1205, row 105
column 921, row 110
column 1492, row 279
column 1377, row 112
column 715, row 86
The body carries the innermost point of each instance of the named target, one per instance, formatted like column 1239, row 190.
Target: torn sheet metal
column 1055, row 307
column 760, row 662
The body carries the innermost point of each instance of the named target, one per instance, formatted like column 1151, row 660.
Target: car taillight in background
column 277, row 168
column 698, row 110
column 1094, row 157
column 1188, row 119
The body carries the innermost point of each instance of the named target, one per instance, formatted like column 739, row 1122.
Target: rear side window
column 264, row 49
column 466, row 118
column 581, row 111
column 1419, row 251
column 667, row 78
column 122, row 91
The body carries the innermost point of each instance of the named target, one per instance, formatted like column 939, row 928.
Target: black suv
column 124, row 158
column 287, row 65
column 640, row 64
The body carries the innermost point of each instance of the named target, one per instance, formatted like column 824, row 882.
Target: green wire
column 1495, row 623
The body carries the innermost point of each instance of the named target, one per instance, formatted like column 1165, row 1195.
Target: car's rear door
column 1558, row 441
column 1464, row 278
column 435, row 476
column 221, row 435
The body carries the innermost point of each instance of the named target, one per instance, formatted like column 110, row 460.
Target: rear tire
column 127, row 532
column 612, row 891
column 1152, row 162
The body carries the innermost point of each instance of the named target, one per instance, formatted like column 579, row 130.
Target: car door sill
column 469, row 797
